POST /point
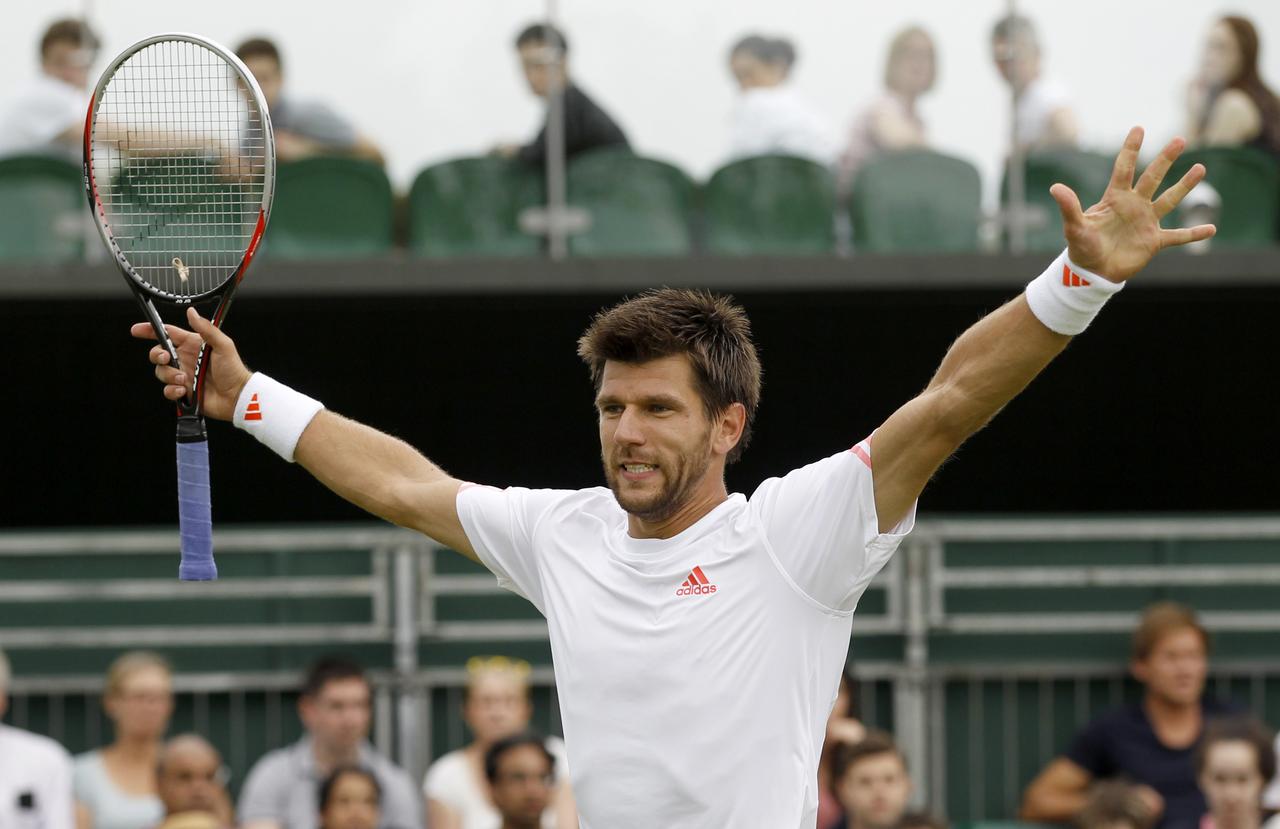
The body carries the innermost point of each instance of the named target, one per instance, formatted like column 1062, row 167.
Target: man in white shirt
column 697, row 636
column 46, row 116
column 1043, row 112
column 770, row 116
column 35, row 774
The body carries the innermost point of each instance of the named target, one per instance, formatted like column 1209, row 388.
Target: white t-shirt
column 42, row 109
column 777, row 120
column 35, row 781
column 695, row 673
column 452, row 781
column 1037, row 103
column 1271, row 795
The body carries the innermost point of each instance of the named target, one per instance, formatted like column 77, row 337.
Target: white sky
column 429, row 80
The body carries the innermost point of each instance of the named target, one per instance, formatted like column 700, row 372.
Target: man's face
column 497, row 706
column 1017, row 58
column 541, row 66
column 353, row 804
column 522, row 787
column 338, row 716
column 1232, row 783
column 190, row 780
column 655, row 438
column 266, row 71
column 752, row 73
column 875, row 791
column 68, row 63
column 1176, row 668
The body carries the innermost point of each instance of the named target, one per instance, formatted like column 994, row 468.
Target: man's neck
column 690, row 513
column 509, row 823
column 329, row 758
column 1164, row 711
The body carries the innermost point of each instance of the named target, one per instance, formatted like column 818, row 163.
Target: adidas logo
column 1071, row 279
column 253, row 411
column 697, row 584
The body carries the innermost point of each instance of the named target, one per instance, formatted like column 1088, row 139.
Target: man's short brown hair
column 712, row 330
column 1114, row 801
column 259, row 47
column 68, row 30
column 1158, row 621
column 872, row 745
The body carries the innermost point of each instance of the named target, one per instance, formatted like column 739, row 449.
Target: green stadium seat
column 472, row 206
column 638, row 206
column 1087, row 173
column 916, row 201
column 1249, row 182
column 328, row 207
column 771, row 204
column 43, row 211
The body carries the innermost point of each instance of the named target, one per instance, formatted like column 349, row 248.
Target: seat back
column 472, row 206
column 1248, row 181
column 638, row 206
column 330, row 207
column 773, row 204
column 916, row 201
column 43, row 213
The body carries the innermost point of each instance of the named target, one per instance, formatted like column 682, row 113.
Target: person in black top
column 1151, row 743
column 543, row 51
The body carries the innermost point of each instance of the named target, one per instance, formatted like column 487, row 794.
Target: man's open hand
column 1120, row 234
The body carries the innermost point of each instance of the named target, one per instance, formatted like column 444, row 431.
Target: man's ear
column 729, row 428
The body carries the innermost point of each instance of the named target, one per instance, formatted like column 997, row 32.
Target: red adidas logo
column 253, row 411
column 1071, row 279
column 697, row 584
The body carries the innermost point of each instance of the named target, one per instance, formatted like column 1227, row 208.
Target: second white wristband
column 274, row 413
column 1067, row 297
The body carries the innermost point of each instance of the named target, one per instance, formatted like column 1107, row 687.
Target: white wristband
column 1066, row 297
column 274, row 413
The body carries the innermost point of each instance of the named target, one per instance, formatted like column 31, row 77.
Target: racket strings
column 180, row 164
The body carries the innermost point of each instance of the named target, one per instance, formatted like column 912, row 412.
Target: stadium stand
column 42, row 210
column 638, row 206
column 916, row 201
column 1248, row 181
column 331, row 207
column 773, row 204
column 471, row 206
column 1087, row 173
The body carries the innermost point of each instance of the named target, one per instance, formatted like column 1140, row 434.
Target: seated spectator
column 872, row 783
column 891, row 122
column 350, row 798
column 843, row 729
column 1149, row 742
column 1235, row 760
column 544, row 57
column 1228, row 104
column 46, row 114
column 1042, row 109
column 770, row 117
column 302, row 128
column 282, row 789
column 521, row 775
column 496, row 705
column 191, row 781
column 35, row 773
column 1115, row 804
column 115, row 787
column 921, row 820
column 1271, row 797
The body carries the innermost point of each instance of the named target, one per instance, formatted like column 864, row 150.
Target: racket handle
column 195, row 515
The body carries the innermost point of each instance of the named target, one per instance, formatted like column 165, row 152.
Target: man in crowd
column 35, row 774
column 282, row 789
column 191, row 783
column 1151, row 742
column 47, row 113
column 521, row 777
column 871, row 781
column 1042, row 108
column 302, row 128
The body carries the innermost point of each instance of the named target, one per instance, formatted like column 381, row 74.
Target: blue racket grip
column 195, row 516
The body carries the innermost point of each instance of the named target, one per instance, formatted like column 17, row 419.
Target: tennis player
column 698, row 636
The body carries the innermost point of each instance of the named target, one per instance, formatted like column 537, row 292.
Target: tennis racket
column 179, row 168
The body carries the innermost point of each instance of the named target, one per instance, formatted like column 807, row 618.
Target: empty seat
column 329, row 207
column 44, row 216
column 472, row 206
column 638, row 206
column 916, row 201
column 1248, row 181
column 1087, row 173
column 770, row 204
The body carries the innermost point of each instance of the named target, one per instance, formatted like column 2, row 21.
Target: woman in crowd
column 892, row 122
column 350, row 798
column 843, row 729
column 1234, row 762
column 1228, row 103
column 115, row 786
column 770, row 117
column 496, row 705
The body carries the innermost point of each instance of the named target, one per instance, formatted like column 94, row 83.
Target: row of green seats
column 914, row 202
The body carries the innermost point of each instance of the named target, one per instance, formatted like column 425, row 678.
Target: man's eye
column 610, row 410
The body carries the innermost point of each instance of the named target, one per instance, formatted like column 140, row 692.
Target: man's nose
column 629, row 429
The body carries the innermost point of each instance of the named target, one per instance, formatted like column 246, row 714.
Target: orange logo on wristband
column 253, row 411
column 1071, row 279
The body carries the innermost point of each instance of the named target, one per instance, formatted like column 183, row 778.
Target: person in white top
column 1043, row 112
column 46, row 115
column 770, row 117
column 496, row 705
column 35, row 774
column 698, row 636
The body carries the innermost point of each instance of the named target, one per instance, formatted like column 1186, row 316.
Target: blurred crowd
column 1176, row 757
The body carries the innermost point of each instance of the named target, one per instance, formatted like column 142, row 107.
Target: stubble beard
column 675, row 493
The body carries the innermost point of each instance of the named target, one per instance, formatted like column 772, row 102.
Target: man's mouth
column 639, row 468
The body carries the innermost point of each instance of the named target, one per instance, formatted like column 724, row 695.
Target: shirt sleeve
column 1090, row 749
column 402, row 806
column 500, row 524
column 259, row 800
column 821, row 523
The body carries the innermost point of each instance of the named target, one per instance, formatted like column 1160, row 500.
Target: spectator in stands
column 1115, row 804
column 892, row 122
column 843, row 729
column 544, row 57
column 1271, row 797
column 191, row 781
column 350, row 798
column 921, row 820
column 115, row 787
column 46, row 115
column 496, row 706
column 521, row 775
column 1228, row 104
column 1042, row 110
column 1235, row 760
column 302, row 128
column 770, row 116
column 35, row 773
column 1150, row 742
column 872, row 783
column 282, row 789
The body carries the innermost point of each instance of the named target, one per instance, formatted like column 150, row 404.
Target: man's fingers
column 1172, row 197
column 1127, row 160
column 1183, row 235
column 142, row 330
column 1069, row 204
column 212, row 335
column 1158, row 169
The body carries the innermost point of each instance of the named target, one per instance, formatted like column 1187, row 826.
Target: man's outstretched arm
column 999, row 355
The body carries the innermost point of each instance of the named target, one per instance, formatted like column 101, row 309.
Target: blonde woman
column 115, row 786
column 496, row 705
